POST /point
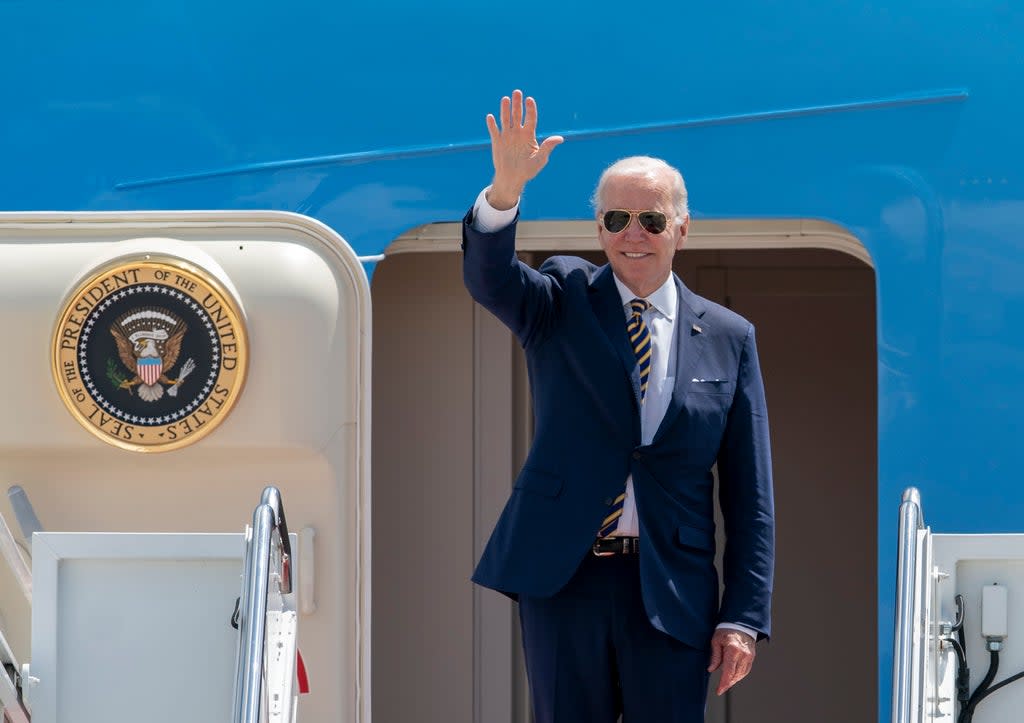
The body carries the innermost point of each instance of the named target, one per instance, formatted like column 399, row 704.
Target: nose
column 634, row 231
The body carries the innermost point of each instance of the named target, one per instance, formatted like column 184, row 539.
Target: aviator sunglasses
column 618, row 219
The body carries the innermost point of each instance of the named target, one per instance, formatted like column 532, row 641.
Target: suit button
column 608, row 501
column 638, row 455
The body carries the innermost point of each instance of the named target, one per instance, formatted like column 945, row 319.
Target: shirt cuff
column 488, row 219
column 736, row 626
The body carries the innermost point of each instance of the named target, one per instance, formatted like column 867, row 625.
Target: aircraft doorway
column 451, row 424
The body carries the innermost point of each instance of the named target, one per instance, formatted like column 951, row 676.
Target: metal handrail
column 12, row 707
column 272, row 497
column 29, row 523
column 911, row 521
column 10, row 552
column 267, row 517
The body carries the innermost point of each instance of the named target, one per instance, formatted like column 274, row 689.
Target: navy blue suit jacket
column 569, row 319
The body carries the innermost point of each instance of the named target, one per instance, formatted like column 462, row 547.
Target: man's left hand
column 733, row 652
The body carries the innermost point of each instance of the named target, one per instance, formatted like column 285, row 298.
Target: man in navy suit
column 639, row 388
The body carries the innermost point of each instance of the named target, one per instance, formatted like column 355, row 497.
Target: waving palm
column 517, row 155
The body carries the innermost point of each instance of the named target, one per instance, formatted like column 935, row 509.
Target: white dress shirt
column 660, row 319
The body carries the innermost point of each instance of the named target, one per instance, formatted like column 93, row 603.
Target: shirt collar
column 664, row 299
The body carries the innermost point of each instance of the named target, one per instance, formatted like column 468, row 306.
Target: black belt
column 616, row 546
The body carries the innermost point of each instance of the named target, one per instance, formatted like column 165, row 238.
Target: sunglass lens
column 615, row 221
column 653, row 221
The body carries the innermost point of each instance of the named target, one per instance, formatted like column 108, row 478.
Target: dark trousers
column 592, row 654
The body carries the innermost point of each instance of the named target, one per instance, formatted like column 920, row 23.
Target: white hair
column 650, row 168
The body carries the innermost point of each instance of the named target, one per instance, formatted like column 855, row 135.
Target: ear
column 684, row 229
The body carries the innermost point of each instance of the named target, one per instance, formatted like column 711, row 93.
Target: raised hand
column 517, row 155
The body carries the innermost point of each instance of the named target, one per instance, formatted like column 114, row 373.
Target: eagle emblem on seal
column 149, row 343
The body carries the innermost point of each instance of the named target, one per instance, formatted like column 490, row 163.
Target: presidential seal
column 149, row 354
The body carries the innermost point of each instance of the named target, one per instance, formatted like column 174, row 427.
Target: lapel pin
column 697, row 329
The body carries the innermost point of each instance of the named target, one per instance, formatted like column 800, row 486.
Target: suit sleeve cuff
column 736, row 626
column 488, row 219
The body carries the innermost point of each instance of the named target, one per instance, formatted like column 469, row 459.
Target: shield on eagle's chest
column 150, row 369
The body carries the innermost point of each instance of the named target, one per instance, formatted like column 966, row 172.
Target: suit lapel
column 690, row 338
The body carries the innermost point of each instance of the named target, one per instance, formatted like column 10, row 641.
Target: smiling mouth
column 634, row 255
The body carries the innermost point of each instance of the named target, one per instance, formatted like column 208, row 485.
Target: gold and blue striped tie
column 640, row 341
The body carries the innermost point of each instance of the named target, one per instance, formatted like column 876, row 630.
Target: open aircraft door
column 959, row 647
column 159, row 371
